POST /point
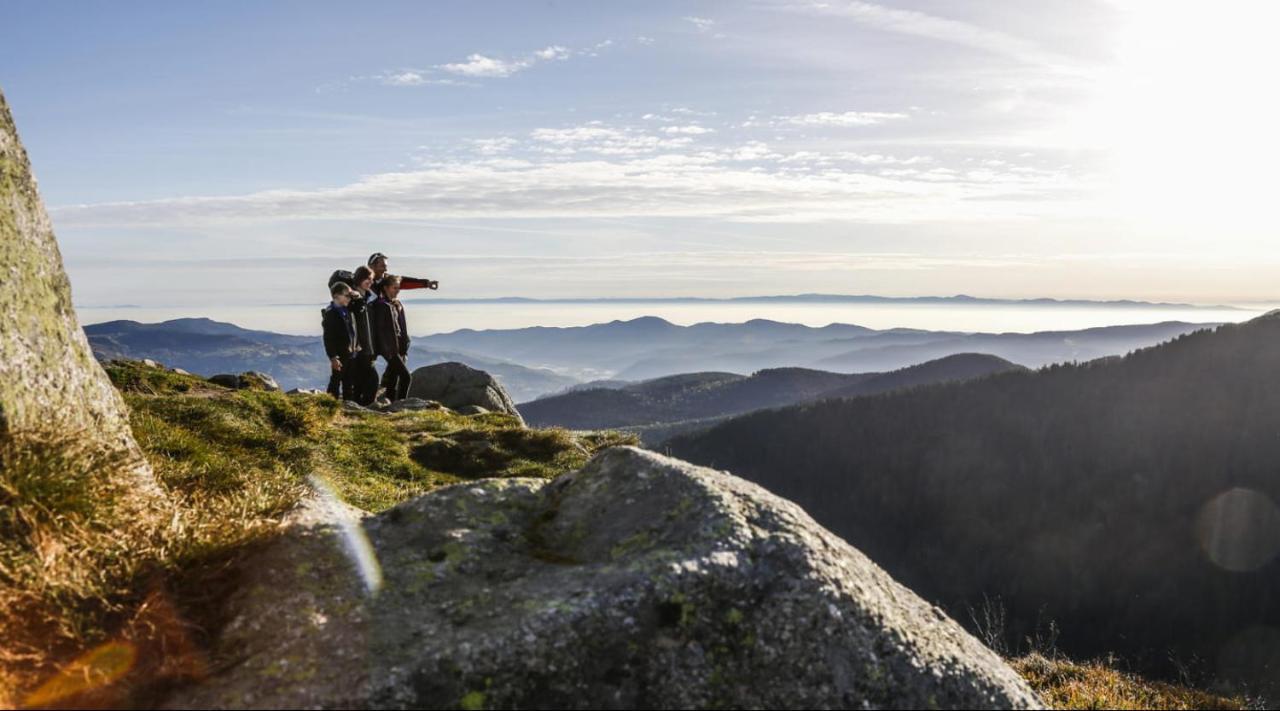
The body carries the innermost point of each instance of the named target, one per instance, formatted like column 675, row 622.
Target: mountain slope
column 1131, row 500
column 698, row 400
column 681, row 397
column 1031, row 349
column 961, row 366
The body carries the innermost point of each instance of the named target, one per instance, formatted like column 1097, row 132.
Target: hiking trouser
column 342, row 382
column 364, row 379
column 396, row 378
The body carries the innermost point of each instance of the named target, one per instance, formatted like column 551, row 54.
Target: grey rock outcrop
column 413, row 404
column 638, row 581
column 49, row 379
column 259, row 381
column 248, row 380
column 456, row 386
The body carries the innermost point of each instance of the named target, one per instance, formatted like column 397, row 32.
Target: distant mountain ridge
column 205, row 347
column 838, row 299
column 650, row 347
column 656, row 409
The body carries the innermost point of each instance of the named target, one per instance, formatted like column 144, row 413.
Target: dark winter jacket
column 339, row 331
column 360, row 308
column 390, row 335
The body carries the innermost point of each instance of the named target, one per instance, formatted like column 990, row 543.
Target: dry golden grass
column 74, row 533
column 1064, row 684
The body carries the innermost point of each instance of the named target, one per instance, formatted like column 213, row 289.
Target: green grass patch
column 131, row 376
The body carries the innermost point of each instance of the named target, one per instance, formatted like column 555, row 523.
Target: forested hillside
column 1130, row 500
column 658, row 408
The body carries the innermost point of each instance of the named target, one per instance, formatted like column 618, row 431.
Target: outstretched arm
column 416, row 283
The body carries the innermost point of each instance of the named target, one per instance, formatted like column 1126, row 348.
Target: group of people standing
column 365, row 320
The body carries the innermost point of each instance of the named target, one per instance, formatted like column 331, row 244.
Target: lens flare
column 355, row 542
column 99, row 667
column 1239, row 530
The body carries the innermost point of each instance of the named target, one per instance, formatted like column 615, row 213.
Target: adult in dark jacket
column 340, row 343
column 391, row 338
column 365, row 377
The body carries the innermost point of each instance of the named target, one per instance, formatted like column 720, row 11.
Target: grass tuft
column 1098, row 684
column 75, row 533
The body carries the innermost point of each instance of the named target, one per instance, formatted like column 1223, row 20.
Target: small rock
column 151, row 363
column 456, row 385
column 472, row 410
column 412, row 403
column 255, row 380
column 226, row 380
column 179, row 371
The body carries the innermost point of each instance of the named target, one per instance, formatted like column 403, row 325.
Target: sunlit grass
column 78, row 572
column 1064, row 684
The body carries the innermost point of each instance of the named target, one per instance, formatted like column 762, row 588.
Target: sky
column 237, row 152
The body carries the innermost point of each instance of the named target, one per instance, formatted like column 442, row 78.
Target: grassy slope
column 234, row 462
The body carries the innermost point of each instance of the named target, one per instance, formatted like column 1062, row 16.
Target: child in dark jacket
column 340, row 342
column 365, row 377
column 391, row 338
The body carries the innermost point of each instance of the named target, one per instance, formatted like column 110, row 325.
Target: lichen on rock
column 49, row 379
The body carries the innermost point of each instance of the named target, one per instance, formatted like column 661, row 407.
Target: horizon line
column 783, row 298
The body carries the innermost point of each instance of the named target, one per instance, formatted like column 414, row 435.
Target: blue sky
column 1071, row 149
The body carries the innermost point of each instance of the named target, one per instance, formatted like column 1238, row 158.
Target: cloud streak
column 842, row 119
column 477, row 66
column 600, row 171
column 924, row 25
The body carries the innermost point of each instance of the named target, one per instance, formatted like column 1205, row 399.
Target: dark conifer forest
column 1129, row 501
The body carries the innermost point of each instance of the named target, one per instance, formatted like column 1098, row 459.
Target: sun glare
column 1191, row 111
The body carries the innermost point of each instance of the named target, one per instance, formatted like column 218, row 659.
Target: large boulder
column 79, row 505
column 456, row 386
column 638, row 581
column 50, row 383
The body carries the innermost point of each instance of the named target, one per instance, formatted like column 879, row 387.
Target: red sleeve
column 413, row 283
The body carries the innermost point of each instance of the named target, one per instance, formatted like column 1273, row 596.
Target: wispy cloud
column 702, row 24
column 920, row 24
column 691, row 130
column 596, row 137
column 479, row 66
column 412, row 78
column 846, row 118
column 494, row 146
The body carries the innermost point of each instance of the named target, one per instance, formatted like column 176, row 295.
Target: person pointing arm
column 378, row 263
